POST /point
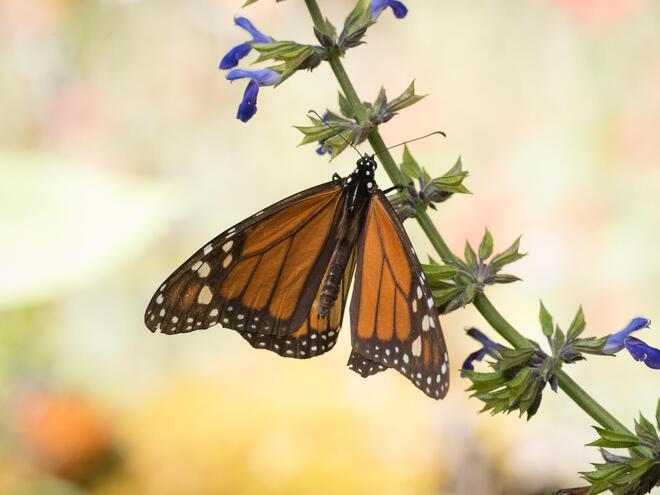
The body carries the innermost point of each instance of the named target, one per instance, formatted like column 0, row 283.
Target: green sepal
column 558, row 340
column 452, row 180
column 504, row 279
column 438, row 273
column 508, row 256
column 272, row 50
column 613, row 439
column 546, row 320
column 486, row 246
column 442, row 296
column 591, row 345
column 470, row 256
column 646, row 431
column 577, row 325
column 405, row 99
column 345, row 107
column 409, row 166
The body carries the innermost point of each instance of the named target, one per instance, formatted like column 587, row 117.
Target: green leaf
column 381, row 100
column 486, row 246
column 410, row 167
column 605, row 471
column 405, row 99
column 345, row 107
column 442, row 296
column 546, row 320
column 646, row 431
column 577, row 325
column 470, row 256
column 503, row 278
column 657, row 415
column 613, row 439
column 436, row 273
column 591, row 345
column 558, row 340
column 508, row 256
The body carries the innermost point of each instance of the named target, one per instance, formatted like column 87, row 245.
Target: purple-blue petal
column 487, row 349
column 485, row 341
column 230, row 60
column 264, row 77
column 615, row 342
column 257, row 35
column 640, row 351
column 248, row 106
column 474, row 356
column 398, row 8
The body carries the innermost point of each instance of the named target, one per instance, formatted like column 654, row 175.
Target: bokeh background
column 120, row 155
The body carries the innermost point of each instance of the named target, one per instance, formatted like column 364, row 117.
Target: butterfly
column 281, row 279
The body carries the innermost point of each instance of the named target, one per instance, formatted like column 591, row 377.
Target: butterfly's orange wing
column 260, row 278
column 316, row 335
column 394, row 322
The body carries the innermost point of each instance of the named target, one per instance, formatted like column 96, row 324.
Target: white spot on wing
column 205, row 295
column 226, row 261
column 204, row 270
column 208, row 249
column 196, row 266
column 425, row 323
column 159, row 299
column 417, row 347
column 227, row 246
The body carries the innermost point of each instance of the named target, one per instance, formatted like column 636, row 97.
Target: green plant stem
column 481, row 302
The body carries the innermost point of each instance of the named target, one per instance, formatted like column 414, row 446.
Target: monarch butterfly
column 281, row 278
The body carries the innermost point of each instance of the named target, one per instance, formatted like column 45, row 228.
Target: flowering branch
column 520, row 373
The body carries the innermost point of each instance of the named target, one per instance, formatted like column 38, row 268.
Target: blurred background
column 120, row 155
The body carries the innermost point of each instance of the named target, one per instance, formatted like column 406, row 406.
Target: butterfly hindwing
column 255, row 277
column 394, row 322
column 316, row 335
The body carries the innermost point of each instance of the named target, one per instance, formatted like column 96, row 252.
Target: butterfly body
column 281, row 279
column 357, row 191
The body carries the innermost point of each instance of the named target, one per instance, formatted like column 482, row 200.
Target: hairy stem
column 481, row 302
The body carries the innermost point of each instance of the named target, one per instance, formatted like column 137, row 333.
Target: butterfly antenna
column 337, row 133
column 410, row 141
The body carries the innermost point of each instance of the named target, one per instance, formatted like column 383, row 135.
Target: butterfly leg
column 398, row 187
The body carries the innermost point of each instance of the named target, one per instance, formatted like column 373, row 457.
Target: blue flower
column 377, row 6
column 488, row 347
column 263, row 77
column 639, row 350
column 230, row 60
column 324, row 148
column 642, row 352
column 616, row 341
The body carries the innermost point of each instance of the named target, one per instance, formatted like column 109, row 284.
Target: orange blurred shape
column 601, row 10
column 62, row 434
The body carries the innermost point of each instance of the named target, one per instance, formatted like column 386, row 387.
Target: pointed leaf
column 437, row 273
column 486, row 246
column 546, row 320
column 470, row 256
column 410, row 166
column 577, row 325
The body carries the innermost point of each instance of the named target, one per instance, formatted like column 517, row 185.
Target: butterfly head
column 363, row 175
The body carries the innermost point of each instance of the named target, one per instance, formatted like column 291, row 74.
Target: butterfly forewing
column 394, row 322
column 255, row 277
